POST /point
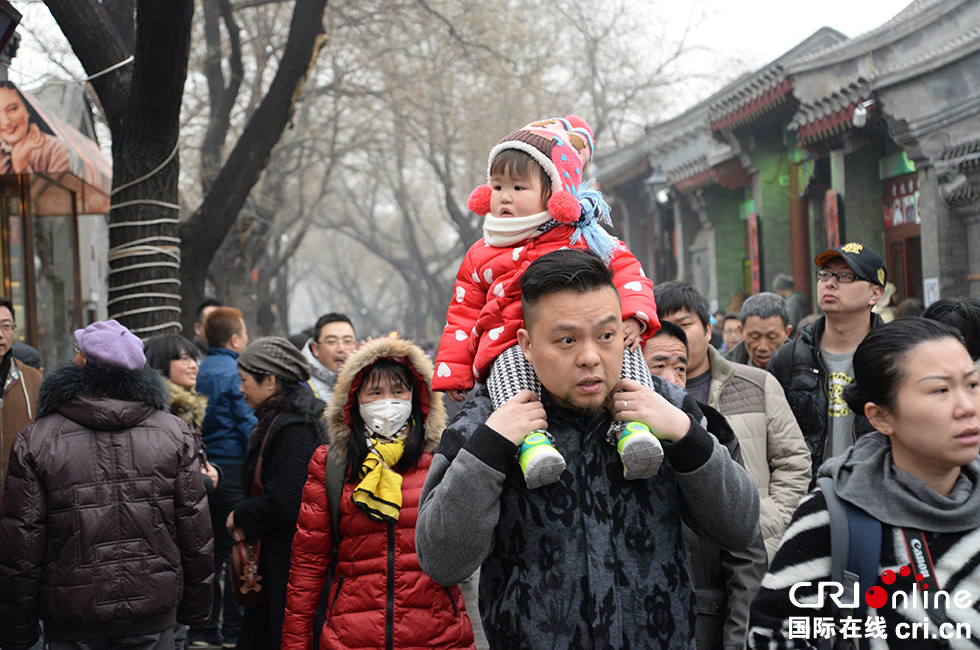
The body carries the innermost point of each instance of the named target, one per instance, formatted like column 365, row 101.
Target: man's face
column 667, row 358
column 199, row 325
column 575, row 343
column 333, row 345
column 732, row 332
column 6, row 330
column 837, row 298
column 698, row 338
column 763, row 336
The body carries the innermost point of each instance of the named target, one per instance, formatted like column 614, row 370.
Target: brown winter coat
column 17, row 409
column 105, row 525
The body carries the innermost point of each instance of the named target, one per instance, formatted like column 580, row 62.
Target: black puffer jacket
column 104, row 529
column 798, row 365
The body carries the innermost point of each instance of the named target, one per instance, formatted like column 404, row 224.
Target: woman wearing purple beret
column 104, row 528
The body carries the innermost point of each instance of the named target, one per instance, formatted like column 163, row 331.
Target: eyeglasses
column 844, row 277
column 346, row 343
column 7, row 326
column 186, row 358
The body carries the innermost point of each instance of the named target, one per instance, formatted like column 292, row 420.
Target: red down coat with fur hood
column 380, row 598
column 485, row 309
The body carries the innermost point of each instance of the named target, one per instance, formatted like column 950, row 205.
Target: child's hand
column 632, row 327
column 456, row 395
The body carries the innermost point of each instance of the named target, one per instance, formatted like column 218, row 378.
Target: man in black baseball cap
column 860, row 260
column 814, row 368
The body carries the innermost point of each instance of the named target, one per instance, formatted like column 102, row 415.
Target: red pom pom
column 579, row 123
column 564, row 207
column 479, row 201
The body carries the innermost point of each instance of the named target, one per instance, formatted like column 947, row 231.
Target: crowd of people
column 616, row 467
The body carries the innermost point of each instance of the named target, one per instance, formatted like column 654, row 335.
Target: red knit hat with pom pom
column 563, row 146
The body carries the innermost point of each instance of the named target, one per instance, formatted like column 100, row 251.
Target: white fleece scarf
column 507, row 231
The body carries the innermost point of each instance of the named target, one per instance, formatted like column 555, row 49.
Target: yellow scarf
column 379, row 494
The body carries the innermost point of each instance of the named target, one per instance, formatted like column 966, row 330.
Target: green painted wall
column 771, row 159
column 723, row 210
column 863, row 220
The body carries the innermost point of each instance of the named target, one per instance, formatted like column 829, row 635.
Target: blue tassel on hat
column 595, row 211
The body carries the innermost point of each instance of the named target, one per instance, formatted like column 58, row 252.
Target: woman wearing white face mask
column 384, row 423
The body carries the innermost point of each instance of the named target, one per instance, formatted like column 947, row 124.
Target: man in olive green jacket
column 773, row 449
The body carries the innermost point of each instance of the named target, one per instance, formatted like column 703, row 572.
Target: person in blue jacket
column 227, row 425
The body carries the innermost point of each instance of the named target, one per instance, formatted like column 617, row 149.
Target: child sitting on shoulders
column 535, row 203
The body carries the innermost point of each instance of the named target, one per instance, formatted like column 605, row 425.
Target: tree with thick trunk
column 158, row 264
column 135, row 52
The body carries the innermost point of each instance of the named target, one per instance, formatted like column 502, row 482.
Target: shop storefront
column 903, row 250
column 54, row 182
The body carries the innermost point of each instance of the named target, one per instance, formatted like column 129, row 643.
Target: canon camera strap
column 924, row 572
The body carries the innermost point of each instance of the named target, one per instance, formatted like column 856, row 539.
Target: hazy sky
column 743, row 34
column 747, row 34
column 767, row 28
column 730, row 37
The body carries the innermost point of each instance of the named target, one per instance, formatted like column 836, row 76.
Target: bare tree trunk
column 142, row 102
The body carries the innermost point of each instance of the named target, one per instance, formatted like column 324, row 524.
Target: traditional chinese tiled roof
column 955, row 48
column 907, row 20
column 693, row 174
column 623, row 166
column 642, row 156
column 963, row 155
column 825, row 116
column 760, row 96
column 969, row 194
column 829, row 115
column 767, row 89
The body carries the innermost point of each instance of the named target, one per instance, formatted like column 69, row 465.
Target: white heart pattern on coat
column 499, row 290
column 460, row 292
column 460, row 335
column 633, row 286
column 517, row 252
column 476, row 278
column 444, row 370
column 495, row 333
column 488, row 275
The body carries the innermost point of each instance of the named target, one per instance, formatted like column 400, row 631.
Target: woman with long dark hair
column 176, row 359
column 918, row 477
column 274, row 375
column 384, row 422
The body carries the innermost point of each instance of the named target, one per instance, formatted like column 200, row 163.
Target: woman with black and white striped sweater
column 919, row 475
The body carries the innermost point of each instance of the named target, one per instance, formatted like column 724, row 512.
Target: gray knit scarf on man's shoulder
column 866, row 476
column 319, row 371
column 327, row 376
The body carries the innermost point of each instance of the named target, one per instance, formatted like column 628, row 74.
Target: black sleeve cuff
column 692, row 451
column 492, row 448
